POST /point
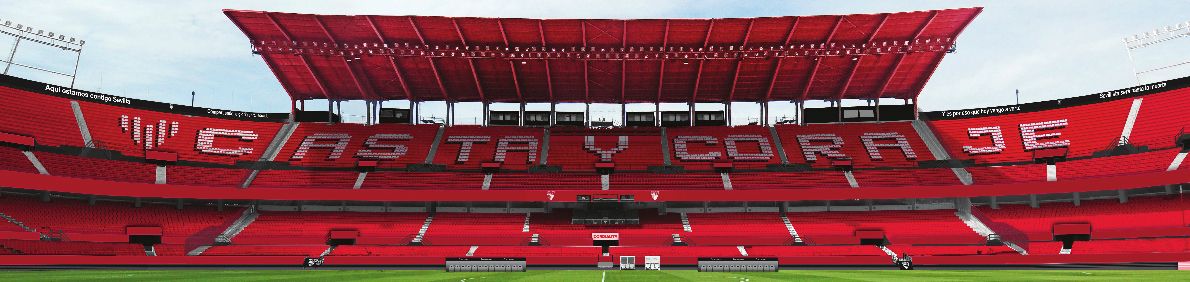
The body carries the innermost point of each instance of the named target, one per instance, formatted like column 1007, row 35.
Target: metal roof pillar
column 330, row 110
column 486, row 113
column 657, row 114
column 877, row 109
column 840, row 107
column 801, row 112
column 623, row 114
column 727, row 113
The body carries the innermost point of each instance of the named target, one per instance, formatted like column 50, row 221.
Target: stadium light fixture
column 21, row 32
column 1151, row 38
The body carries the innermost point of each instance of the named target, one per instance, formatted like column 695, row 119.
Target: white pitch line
column 604, row 279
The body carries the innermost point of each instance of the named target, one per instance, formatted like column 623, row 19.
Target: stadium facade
column 96, row 179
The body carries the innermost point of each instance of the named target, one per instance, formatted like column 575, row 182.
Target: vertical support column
column 763, row 117
column 522, row 114
column 414, row 111
column 330, row 110
column 485, row 113
column 587, row 115
column 657, row 114
column 839, row 104
column 623, row 114
column 691, row 105
column 766, row 113
column 727, row 113
column 553, row 113
column 801, row 111
column 877, row 109
column 292, row 109
column 368, row 112
column 915, row 108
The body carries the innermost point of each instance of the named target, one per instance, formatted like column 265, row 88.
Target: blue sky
column 162, row 50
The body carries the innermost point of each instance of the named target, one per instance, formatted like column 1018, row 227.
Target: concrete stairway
column 271, row 152
column 726, row 180
column 927, row 135
column 359, row 180
column 238, row 226
column 797, row 239
column 421, row 233
column 36, row 163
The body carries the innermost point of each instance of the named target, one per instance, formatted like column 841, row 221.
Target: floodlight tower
column 22, row 33
column 1155, row 37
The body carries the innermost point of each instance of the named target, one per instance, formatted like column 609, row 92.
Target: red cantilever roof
column 427, row 58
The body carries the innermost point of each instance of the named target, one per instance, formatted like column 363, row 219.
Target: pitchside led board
column 605, row 236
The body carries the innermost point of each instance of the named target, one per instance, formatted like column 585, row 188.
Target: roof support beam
column 269, row 63
column 768, row 95
column 586, row 83
column 901, row 57
column 470, row 61
column 392, row 60
column 365, row 87
column 515, row 82
column 305, row 61
column 511, row 64
column 850, row 75
column 818, row 61
column 433, row 66
column 920, row 30
column 549, row 80
column 921, row 83
column 661, row 72
column 860, row 60
column 888, row 78
column 735, row 76
column 586, row 79
column 624, row 65
column 698, row 76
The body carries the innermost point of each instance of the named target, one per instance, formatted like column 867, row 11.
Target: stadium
column 92, row 180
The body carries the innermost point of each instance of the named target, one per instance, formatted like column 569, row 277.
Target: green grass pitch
column 592, row 275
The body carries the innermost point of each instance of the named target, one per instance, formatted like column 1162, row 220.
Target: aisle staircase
column 797, row 239
column 238, row 226
column 686, row 223
column 421, row 233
